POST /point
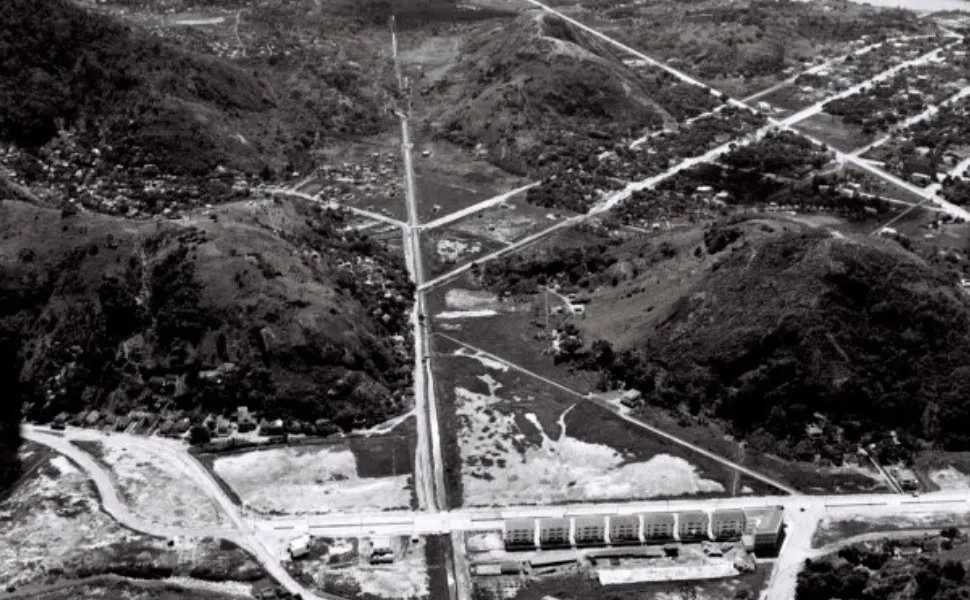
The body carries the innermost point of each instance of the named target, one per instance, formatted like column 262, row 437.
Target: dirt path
column 659, row 432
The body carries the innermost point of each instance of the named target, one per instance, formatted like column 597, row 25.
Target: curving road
column 115, row 507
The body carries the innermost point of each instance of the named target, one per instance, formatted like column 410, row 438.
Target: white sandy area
column 318, row 480
column 462, row 299
column 563, row 469
column 230, row 588
column 154, row 486
column 451, row 251
column 51, row 521
column 64, row 465
column 406, row 577
column 488, row 363
column 466, row 314
column 950, row 479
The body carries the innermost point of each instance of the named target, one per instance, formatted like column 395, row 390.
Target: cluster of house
column 381, row 549
column 759, row 530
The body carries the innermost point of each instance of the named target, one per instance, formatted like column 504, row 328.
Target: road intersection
column 803, row 512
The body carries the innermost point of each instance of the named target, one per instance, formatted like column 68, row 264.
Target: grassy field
column 511, row 438
column 829, row 532
column 444, row 250
column 113, row 586
column 801, row 476
column 835, row 132
column 450, row 179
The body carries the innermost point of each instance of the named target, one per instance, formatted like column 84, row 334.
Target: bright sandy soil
column 950, row 479
column 453, row 250
column 406, row 577
column 561, row 468
column 462, row 299
column 483, row 359
column 466, row 314
column 50, row 520
column 155, row 487
column 309, row 480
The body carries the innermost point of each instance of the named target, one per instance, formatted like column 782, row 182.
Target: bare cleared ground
column 866, row 522
column 51, row 519
column 152, row 484
column 503, row 464
column 352, row 574
column 310, row 480
column 950, row 479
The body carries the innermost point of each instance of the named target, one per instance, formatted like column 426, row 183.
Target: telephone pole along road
column 428, row 465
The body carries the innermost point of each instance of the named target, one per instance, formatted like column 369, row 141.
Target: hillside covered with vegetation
column 859, row 337
column 141, row 101
column 770, row 328
column 273, row 305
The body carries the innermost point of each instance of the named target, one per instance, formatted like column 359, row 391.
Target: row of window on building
column 762, row 528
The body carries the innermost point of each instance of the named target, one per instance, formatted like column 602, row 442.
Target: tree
column 199, row 435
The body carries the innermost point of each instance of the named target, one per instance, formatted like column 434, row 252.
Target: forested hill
column 142, row 101
column 273, row 305
column 858, row 336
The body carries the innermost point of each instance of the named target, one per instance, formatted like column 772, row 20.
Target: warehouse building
column 554, row 533
column 766, row 527
column 520, row 534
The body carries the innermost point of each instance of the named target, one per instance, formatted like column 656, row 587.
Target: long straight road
column 478, row 207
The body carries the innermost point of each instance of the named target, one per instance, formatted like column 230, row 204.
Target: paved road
column 423, row 399
column 333, row 204
column 112, row 504
column 480, row 206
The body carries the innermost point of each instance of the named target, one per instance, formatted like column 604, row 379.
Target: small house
column 299, row 547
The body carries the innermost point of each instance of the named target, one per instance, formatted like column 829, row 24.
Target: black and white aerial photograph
column 484, row 299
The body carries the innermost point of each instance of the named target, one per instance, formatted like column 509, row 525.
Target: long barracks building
column 761, row 528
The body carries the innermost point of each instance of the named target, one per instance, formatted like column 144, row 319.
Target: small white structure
column 299, row 546
column 381, row 551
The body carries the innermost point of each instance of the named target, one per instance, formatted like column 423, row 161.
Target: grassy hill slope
column 143, row 101
column 272, row 305
column 859, row 336
column 534, row 86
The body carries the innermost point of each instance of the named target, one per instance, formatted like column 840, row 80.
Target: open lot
column 943, row 470
column 51, row 519
column 579, row 586
column 153, row 485
column 835, row 132
column 343, row 567
column 522, row 441
column 448, row 178
column 339, row 477
column 830, row 531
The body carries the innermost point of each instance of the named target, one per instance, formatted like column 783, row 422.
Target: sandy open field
column 310, row 480
column 51, row 519
column 950, row 479
column 153, row 485
column 502, row 465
